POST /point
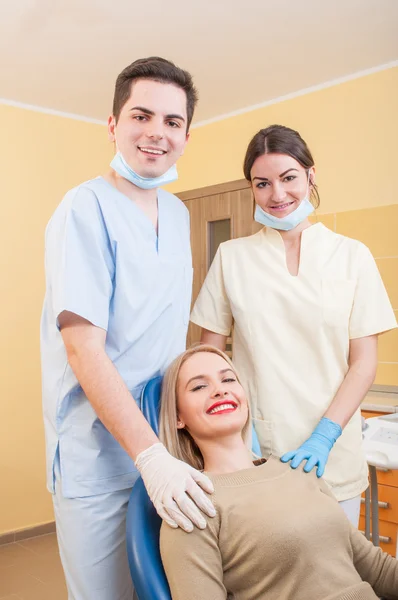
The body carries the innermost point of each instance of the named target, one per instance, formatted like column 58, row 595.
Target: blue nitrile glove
column 316, row 449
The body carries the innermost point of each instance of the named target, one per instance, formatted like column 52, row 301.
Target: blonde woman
column 278, row 534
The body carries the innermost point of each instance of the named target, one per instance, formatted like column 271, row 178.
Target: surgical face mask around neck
column 121, row 167
column 304, row 209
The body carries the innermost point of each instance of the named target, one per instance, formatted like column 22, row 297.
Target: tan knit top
column 279, row 534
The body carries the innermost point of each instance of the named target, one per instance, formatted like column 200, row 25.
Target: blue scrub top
column 105, row 262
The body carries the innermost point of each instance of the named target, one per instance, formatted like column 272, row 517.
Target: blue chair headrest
column 143, row 523
column 150, row 402
column 143, row 527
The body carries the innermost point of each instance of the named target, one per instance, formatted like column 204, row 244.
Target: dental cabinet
column 379, row 404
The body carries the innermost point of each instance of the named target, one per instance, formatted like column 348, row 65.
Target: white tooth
column 221, row 407
column 151, row 151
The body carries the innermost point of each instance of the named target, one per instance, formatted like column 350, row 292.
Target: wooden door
column 222, row 211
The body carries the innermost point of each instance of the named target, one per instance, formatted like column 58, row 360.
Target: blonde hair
column 179, row 442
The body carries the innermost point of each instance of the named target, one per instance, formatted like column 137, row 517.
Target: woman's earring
column 180, row 425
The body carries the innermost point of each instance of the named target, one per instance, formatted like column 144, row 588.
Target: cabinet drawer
column 387, row 495
column 389, row 478
column 387, row 530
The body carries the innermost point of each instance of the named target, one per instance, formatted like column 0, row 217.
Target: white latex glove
column 171, row 484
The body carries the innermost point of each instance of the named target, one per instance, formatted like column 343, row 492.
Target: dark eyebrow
column 204, row 376
column 285, row 172
column 149, row 112
column 281, row 175
column 179, row 117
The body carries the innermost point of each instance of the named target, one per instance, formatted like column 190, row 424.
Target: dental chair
column 143, row 522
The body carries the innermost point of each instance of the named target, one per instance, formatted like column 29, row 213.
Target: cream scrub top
column 291, row 335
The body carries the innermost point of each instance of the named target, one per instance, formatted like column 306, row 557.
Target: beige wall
column 351, row 128
column 377, row 228
column 41, row 157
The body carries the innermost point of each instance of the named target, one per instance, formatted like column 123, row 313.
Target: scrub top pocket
column 337, row 301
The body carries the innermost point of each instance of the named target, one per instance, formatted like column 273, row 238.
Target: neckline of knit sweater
column 273, row 468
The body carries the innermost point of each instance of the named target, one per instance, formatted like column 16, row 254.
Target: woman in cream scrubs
column 306, row 305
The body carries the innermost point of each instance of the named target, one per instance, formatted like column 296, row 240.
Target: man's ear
column 186, row 142
column 111, row 128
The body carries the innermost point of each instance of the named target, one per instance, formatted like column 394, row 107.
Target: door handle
column 383, row 538
column 381, row 504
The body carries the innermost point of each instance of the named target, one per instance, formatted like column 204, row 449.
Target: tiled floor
column 31, row 570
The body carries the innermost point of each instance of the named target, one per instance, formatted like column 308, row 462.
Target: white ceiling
column 65, row 54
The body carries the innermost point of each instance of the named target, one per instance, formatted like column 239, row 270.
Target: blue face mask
column 119, row 165
column 289, row 222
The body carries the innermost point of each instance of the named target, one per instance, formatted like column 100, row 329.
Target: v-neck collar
column 308, row 236
column 274, row 237
column 144, row 219
column 165, row 241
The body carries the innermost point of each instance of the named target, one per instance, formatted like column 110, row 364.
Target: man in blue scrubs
column 116, row 311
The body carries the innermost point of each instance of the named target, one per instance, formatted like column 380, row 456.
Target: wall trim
column 51, row 111
column 29, row 532
column 222, row 117
column 309, row 90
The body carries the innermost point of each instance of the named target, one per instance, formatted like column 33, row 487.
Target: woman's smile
column 222, row 407
column 281, row 207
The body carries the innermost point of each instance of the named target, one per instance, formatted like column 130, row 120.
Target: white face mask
column 121, row 167
column 304, row 209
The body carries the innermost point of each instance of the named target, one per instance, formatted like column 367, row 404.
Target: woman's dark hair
column 157, row 69
column 277, row 139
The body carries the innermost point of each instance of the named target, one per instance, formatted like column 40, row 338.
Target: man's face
column 151, row 132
